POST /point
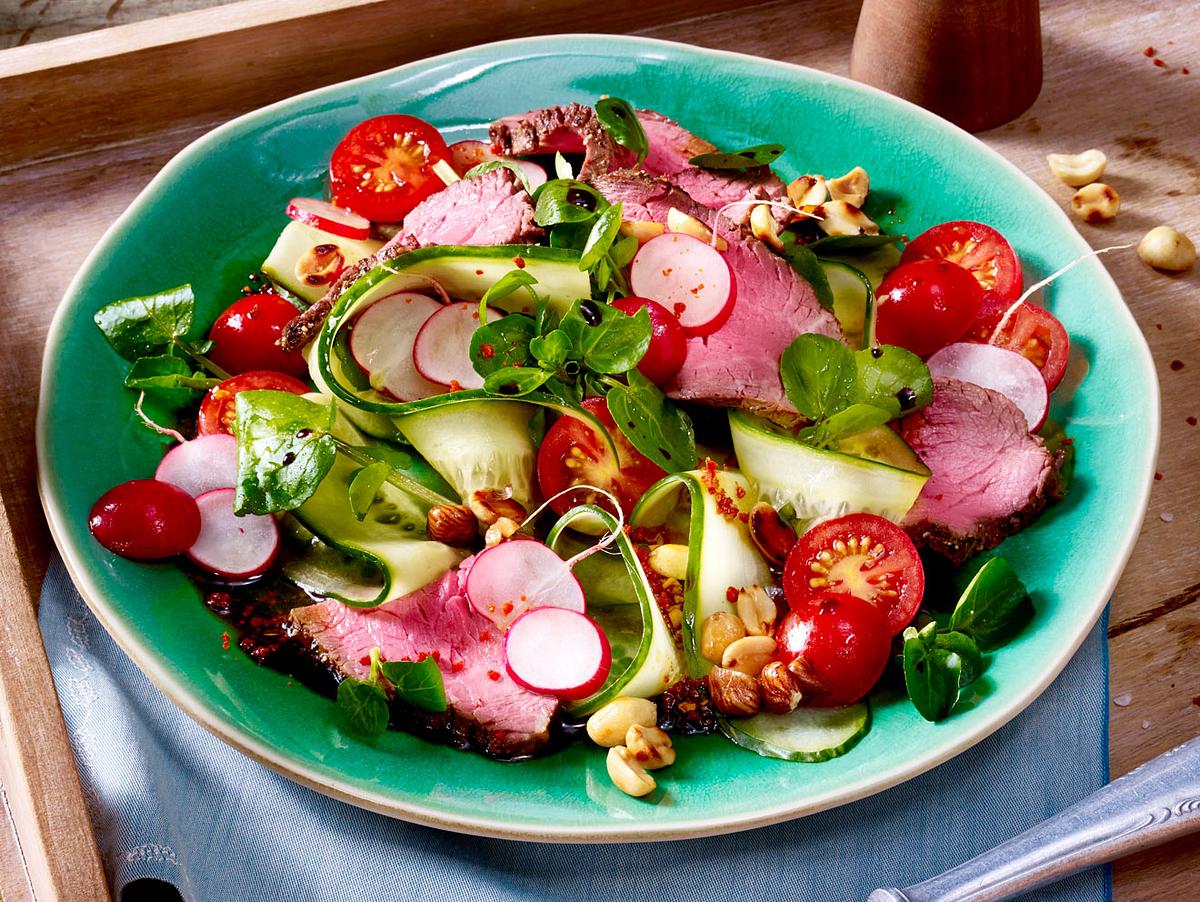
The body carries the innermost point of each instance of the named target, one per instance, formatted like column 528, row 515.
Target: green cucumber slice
column 885, row 446
column 806, row 734
column 296, row 240
column 721, row 552
column 853, row 297
column 645, row 659
column 817, row 482
column 875, row 265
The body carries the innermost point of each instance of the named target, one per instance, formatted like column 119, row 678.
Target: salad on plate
column 593, row 431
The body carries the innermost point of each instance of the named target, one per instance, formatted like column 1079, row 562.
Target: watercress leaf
column 364, row 484
column 1062, row 447
column 896, row 374
column 417, row 682
column 169, row 379
column 551, row 350
column 623, row 252
column 493, row 165
column 818, row 375
column 995, row 607
column 505, row 285
column 809, row 268
column 849, row 421
column 566, row 200
column 614, row 344
column 851, row 244
column 748, row 158
column 363, row 707
column 571, row 235
column 284, row 450
column 932, row 675
column 562, row 169
column 601, row 237
column 621, row 122
column 968, row 653
column 502, row 344
column 569, row 391
column 653, row 425
column 143, row 326
column 515, row 380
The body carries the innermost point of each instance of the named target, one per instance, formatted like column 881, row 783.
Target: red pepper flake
column 740, row 492
column 679, row 309
column 519, row 262
column 1159, row 63
column 507, row 608
column 666, row 273
column 1196, row 700
column 493, row 676
column 225, row 641
column 458, row 666
column 1149, row 51
column 731, row 595
column 486, row 351
column 479, row 272
column 436, row 654
column 1158, row 326
column 1191, row 421
column 1176, row 365
column 485, row 636
column 455, row 385
column 1186, row 71
column 744, row 517
column 1158, row 476
column 365, row 660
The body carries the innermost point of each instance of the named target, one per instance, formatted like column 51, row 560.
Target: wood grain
column 1100, row 90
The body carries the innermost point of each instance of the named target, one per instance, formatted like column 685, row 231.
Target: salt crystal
column 1123, row 700
column 1167, row 517
column 1145, row 724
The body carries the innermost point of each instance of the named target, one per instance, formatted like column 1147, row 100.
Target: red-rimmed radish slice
column 689, row 278
column 382, row 339
column 509, row 579
column 466, row 155
column 999, row 369
column 321, row 214
column 535, row 175
column 442, row 349
column 554, row 651
column 230, row 546
column 205, row 463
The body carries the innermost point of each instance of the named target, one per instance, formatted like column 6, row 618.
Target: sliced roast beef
column 990, row 476
column 489, row 210
column 487, row 710
column 572, row 128
column 671, row 146
column 738, row 365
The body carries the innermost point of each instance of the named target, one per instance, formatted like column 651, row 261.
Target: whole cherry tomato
column 245, row 337
column 926, row 305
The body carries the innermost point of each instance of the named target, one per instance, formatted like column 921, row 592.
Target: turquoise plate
column 211, row 215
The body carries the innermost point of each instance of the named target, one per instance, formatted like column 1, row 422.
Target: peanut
column 628, row 775
column 749, row 655
column 610, row 724
column 650, row 746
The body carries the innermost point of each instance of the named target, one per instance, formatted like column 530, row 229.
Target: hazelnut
column 779, row 689
column 764, row 227
column 1096, row 203
column 1078, row 169
column 642, row 231
column 451, row 524
column 718, row 632
column 320, row 265
column 807, row 191
column 851, row 187
column 733, row 693
column 502, row 529
column 1166, row 248
column 839, row 217
column 678, row 221
column 772, row 537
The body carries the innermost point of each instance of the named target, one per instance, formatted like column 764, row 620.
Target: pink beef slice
column 990, row 476
column 572, row 128
column 671, row 146
column 489, row 210
column 738, row 365
column 487, row 709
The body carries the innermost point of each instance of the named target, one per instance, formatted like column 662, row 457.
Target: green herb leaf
column 559, row 201
column 818, row 375
column 619, row 118
column 363, row 707
column 417, row 682
column 932, row 674
column 882, row 378
column 551, row 350
column 749, row 158
column 995, row 607
column 504, row 286
column 601, row 237
column 502, row 344
column 623, row 251
column 615, row 344
column 284, row 450
column 492, row 165
column 364, row 485
column 143, row 326
column 653, row 425
column 169, row 379
column 849, row 421
column 968, row 653
column 809, row 268
column 1059, row 444
column 515, row 381
column 851, row 244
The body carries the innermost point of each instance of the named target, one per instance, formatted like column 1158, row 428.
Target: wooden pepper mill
column 977, row 63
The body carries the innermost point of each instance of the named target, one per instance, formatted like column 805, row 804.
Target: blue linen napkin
column 172, row 802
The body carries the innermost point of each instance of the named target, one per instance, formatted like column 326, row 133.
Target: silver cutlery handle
column 1157, row 802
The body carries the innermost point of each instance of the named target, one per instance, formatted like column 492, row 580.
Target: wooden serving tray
column 89, row 119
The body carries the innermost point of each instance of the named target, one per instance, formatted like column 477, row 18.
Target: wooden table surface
column 1103, row 88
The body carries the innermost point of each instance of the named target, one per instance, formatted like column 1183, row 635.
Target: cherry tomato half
column 1036, row 333
column 842, row 644
column 245, row 337
column 384, row 166
column 217, row 411
column 668, row 345
column 145, row 519
column 861, row 555
column 926, row 305
column 573, row 453
column 983, row 252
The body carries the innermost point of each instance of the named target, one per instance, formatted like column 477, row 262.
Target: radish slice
column 535, row 175
column 466, row 155
column 231, row 546
column 689, row 278
column 325, row 216
column 205, row 463
column 381, row 341
column 999, row 369
column 513, row 577
column 442, row 349
column 557, row 652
